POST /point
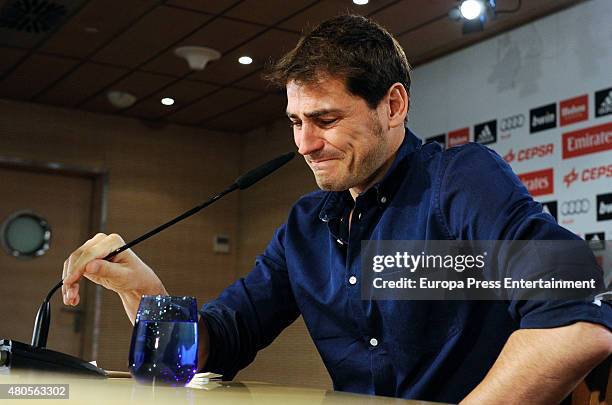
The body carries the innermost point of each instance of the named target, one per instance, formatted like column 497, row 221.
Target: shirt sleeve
column 480, row 198
column 249, row 314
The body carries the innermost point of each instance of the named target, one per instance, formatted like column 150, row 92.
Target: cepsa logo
column 458, row 137
column 588, row 174
column 530, row 153
column 539, row 182
column 574, row 110
column 586, row 141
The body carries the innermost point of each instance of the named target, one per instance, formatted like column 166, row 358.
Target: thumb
column 102, row 269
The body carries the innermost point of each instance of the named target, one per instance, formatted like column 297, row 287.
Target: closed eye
column 327, row 122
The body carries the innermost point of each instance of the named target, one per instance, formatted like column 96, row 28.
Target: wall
column 155, row 173
column 540, row 96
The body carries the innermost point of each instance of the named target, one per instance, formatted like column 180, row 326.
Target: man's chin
column 328, row 185
column 331, row 188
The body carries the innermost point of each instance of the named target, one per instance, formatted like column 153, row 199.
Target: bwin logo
column 545, row 119
column 604, row 207
column 542, row 118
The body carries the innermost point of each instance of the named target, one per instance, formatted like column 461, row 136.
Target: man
column 347, row 87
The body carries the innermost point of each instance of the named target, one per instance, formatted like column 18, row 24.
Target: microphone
column 252, row 177
column 43, row 317
column 242, row 182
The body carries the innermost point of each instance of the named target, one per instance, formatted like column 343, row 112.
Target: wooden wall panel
column 155, row 173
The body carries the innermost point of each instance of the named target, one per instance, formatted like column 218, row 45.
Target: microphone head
column 252, row 177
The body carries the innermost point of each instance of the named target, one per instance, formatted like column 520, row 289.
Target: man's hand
column 125, row 274
column 542, row 366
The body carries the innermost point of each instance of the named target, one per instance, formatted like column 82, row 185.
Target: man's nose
column 308, row 140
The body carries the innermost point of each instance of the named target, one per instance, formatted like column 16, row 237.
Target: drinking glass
column 164, row 346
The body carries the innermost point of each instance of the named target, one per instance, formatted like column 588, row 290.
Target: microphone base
column 18, row 356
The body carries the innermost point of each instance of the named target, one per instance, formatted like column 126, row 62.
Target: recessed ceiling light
column 361, row 2
column 167, row 101
column 245, row 60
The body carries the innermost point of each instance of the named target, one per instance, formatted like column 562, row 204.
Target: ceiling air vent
column 32, row 16
column 27, row 23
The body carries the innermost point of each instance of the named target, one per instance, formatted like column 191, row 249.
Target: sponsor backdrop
column 541, row 97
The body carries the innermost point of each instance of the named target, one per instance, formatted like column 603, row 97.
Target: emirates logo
column 571, row 177
column 509, row 157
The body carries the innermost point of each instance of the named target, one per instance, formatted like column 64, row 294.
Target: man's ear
column 398, row 103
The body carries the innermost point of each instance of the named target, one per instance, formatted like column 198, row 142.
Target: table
column 117, row 391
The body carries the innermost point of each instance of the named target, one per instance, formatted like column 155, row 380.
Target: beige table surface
column 115, row 391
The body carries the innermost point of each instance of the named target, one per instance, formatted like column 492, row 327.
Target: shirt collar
column 335, row 201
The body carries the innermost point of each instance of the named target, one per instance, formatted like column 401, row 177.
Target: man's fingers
column 94, row 266
column 102, row 269
column 96, row 248
column 73, row 294
column 67, row 274
column 64, row 288
column 101, row 249
column 88, row 261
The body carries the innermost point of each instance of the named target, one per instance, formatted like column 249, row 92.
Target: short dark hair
column 351, row 47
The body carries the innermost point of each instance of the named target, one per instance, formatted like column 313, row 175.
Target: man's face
column 340, row 137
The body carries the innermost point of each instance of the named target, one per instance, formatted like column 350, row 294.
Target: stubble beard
column 361, row 172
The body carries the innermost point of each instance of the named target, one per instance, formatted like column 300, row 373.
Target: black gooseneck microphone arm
column 43, row 317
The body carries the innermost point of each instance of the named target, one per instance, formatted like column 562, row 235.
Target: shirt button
column 359, row 216
column 383, row 199
column 352, row 280
column 373, row 342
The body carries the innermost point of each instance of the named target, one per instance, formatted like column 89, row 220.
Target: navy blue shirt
column 430, row 350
